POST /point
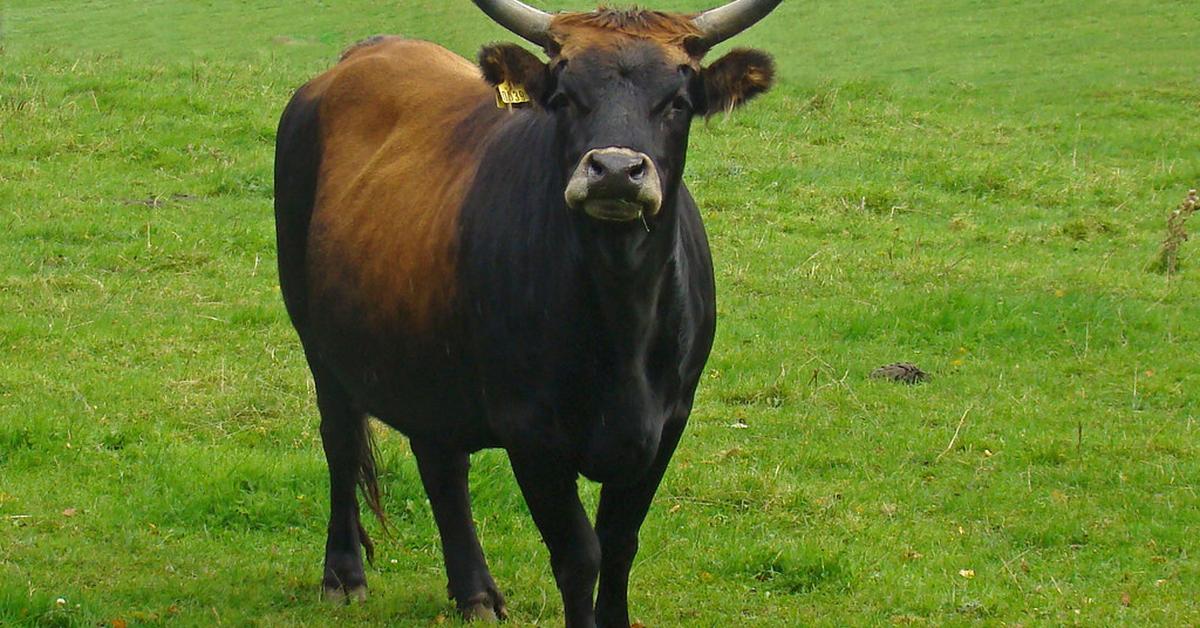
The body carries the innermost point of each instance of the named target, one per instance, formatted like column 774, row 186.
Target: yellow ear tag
column 509, row 94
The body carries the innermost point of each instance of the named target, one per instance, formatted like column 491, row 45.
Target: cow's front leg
column 444, row 474
column 622, row 509
column 553, row 498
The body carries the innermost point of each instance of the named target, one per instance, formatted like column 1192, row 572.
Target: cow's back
column 389, row 138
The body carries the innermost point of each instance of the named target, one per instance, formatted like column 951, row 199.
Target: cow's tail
column 368, row 483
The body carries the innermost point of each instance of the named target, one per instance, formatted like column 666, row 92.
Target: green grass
column 975, row 187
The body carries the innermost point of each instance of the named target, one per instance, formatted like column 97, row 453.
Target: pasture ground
column 976, row 187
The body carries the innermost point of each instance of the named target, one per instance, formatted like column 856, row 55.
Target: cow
column 504, row 255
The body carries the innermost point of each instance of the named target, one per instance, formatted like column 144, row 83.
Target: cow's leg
column 343, row 435
column 622, row 509
column 553, row 498
column 444, row 474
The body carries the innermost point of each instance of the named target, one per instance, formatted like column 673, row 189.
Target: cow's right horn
column 519, row 18
column 717, row 25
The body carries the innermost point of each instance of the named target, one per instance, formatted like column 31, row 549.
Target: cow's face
column 623, row 102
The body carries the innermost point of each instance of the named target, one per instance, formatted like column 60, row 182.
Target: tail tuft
column 368, row 483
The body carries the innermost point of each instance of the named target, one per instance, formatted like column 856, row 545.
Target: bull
column 533, row 276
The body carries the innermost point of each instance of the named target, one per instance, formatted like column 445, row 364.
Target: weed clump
column 905, row 372
column 1168, row 256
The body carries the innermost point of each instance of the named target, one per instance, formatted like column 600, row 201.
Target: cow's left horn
column 717, row 25
column 519, row 18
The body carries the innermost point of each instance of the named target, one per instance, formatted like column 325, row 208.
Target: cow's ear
column 736, row 78
column 510, row 63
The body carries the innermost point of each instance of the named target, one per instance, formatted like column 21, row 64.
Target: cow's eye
column 563, row 100
column 677, row 106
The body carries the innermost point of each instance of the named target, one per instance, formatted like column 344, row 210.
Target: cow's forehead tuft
column 614, row 28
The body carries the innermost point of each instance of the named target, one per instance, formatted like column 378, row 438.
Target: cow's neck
column 629, row 270
column 630, row 281
column 626, row 307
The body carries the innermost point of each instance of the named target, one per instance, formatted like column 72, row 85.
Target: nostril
column 638, row 171
column 594, row 169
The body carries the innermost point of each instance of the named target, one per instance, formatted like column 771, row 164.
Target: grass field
column 976, row 187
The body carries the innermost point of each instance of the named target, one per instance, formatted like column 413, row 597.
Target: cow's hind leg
column 346, row 438
column 444, row 474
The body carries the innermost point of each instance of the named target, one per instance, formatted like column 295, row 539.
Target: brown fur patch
column 393, row 175
column 669, row 28
column 606, row 28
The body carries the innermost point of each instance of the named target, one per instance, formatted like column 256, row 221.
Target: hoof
column 339, row 595
column 480, row 612
column 486, row 607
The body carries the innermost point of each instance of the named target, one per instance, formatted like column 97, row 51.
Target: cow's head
column 623, row 87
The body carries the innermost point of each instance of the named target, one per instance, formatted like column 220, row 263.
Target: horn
column 717, row 25
column 520, row 18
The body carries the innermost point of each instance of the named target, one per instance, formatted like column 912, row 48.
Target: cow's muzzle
column 617, row 184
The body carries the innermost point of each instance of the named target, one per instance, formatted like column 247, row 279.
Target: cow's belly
column 417, row 384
